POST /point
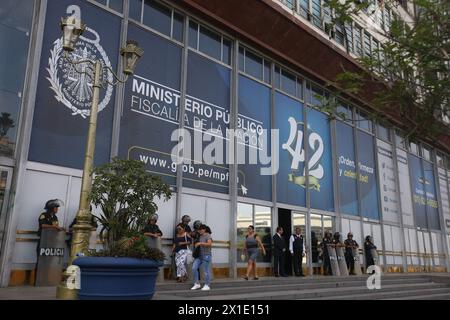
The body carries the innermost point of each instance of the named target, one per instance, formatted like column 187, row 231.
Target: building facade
column 210, row 67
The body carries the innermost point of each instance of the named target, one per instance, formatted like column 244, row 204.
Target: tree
column 412, row 64
column 126, row 194
column 6, row 123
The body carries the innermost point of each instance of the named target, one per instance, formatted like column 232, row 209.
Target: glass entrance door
column 319, row 224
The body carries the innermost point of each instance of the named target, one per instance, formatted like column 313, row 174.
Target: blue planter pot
column 108, row 278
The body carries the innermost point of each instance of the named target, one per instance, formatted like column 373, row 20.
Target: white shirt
column 291, row 244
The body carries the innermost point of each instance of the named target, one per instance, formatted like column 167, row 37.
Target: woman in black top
column 180, row 247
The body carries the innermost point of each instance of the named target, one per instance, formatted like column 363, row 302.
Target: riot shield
column 333, row 260
column 374, row 254
column 356, row 258
column 50, row 257
column 341, row 261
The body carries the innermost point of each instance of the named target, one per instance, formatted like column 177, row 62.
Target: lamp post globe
column 72, row 29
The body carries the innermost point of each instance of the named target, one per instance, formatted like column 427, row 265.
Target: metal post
column 233, row 167
column 399, row 201
column 308, row 193
column 82, row 229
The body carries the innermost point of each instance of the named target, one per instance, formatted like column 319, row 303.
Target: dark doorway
column 285, row 221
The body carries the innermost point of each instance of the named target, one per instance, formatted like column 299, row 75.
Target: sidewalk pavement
column 28, row 293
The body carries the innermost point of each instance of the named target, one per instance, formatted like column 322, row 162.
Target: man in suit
column 278, row 253
column 297, row 249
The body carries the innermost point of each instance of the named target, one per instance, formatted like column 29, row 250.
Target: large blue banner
column 430, row 191
column 254, row 117
column 424, row 193
column 418, row 190
column 319, row 162
column 64, row 96
column 291, row 174
column 368, row 186
column 348, row 199
column 151, row 105
column 208, row 114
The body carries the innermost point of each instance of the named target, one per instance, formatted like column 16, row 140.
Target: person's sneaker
column 206, row 288
column 196, row 286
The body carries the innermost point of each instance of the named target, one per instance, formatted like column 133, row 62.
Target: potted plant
column 127, row 267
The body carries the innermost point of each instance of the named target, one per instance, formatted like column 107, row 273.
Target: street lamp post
column 72, row 28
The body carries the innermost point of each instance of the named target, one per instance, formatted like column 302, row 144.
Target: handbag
column 196, row 252
column 189, row 257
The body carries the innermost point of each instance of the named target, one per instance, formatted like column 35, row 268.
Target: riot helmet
column 186, row 219
column 197, row 224
column 51, row 204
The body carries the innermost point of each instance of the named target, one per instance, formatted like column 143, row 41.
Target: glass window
column 263, row 224
column 253, row 65
column 193, row 35
column 316, row 96
column 177, row 29
column 15, row 24
column 358, row 41
column 367, row 50
column 344, row 112
column 300, row 88
column 241, row 59
column 363, row 122
column 261, row 218
column 244, row 219
column 400, row 140
column 317, row 12
column 288, row 83
column 135, row 9
column 277, row 78
column 349, row 36
column 210, row 43
column 426, row 153
column 226, row 51
column 339, row 34
column 157, row 17
column 267, row 72
column 304, row 8
column 116, row 5
column 414, row 148
column 383, row 132
column 440, row 160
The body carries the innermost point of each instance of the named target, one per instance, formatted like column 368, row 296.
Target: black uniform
column 152, row 228
column 349, row 243
column 369, row 258
column 47, row 218
column 326, row 256
column 278, row 255
column 298, row 254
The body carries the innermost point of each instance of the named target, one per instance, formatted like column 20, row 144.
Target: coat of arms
column 73, row 87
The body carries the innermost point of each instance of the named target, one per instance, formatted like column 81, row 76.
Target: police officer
column 337, row 240
column 350, row 244
column 151, row 229
column 185, row 224
column 368, row 246
column 297, row 249
column 48, row 219
column 326, row 256
column 195, row 234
